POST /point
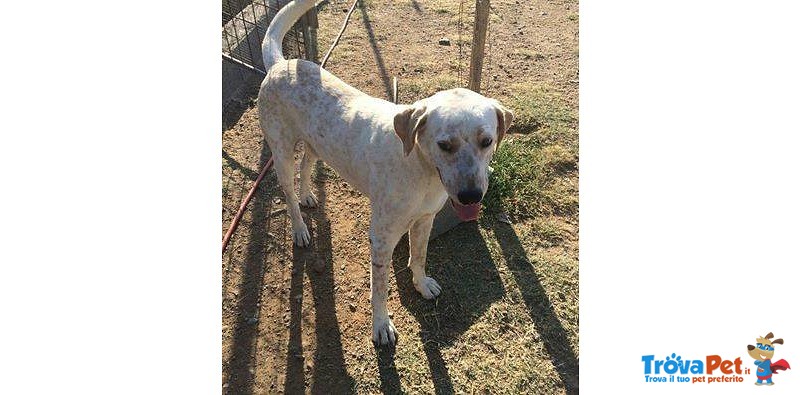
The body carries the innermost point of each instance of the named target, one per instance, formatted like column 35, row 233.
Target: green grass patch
column 535, row 166
column 536, row 106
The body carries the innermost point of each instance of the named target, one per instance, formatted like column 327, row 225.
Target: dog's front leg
column 383, row 330
column 418, row 247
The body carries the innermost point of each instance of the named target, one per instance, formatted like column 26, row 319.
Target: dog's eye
column 445, row 146
column 486, row 142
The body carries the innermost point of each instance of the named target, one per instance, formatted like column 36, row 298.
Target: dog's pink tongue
column 467, row 212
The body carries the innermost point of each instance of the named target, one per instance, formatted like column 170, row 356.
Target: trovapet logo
column 711, row 369
column 675, row 368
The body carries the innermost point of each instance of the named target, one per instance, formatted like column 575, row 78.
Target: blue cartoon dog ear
column 777, row 341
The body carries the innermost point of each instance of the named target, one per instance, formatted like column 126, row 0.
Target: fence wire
column 244, row 24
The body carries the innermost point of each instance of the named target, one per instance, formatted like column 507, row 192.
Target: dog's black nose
column 470, row 196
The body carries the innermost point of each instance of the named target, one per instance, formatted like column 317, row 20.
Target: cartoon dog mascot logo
column 762, row 352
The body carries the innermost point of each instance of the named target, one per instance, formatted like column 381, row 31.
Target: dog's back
column 299, row 101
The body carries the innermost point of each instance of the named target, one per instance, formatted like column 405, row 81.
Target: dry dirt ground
column 298, row 320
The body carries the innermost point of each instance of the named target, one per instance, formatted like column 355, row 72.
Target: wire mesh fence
column 244, row 24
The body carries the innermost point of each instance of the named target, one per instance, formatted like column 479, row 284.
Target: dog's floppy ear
column 504, row 119
column 777, row 341
column 408, row 124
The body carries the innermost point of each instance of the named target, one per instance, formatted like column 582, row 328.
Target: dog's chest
column 433, row 202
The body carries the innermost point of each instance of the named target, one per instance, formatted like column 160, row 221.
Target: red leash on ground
column 238, row 217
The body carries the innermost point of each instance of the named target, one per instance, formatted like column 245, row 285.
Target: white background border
column 111, row 197
column 689, row 187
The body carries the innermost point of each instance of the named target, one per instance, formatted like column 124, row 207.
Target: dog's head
column 457, row 131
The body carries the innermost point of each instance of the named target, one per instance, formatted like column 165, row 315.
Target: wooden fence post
column 310, row 35
column 478, row 43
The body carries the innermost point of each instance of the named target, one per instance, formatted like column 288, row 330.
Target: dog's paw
column 309, row 200
column 428, row 287
column 301, row 237
column 383, row 332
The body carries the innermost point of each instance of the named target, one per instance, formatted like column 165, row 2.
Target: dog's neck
column 429, row 174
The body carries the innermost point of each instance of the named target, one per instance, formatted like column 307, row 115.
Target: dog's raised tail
column 272, row 47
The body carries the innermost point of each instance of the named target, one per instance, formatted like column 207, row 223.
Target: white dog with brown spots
column 409, row 159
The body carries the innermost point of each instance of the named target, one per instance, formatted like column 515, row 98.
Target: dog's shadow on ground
column 471, row 283
column 239, row 365
column 553, row 334
column 316, row 262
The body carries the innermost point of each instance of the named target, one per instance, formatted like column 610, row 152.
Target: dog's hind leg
column 307, row 198
column 283, row 160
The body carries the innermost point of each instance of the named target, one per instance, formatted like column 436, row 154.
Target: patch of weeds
column 559, row 158
column 528, row 54
column 534, row 169
column 416, row 88
column 548, row 232
column 535, row 106
column 516, row 184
